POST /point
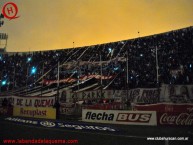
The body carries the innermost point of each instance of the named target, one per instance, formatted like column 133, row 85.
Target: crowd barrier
column 171, row 114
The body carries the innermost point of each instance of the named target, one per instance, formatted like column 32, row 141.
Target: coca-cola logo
column 177, row 119
column 190, row 109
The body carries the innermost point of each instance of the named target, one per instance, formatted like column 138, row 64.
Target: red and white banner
column 176, row 119
column 166, row 107
column 33, row 101
column 70, row 65
column 171, row 114
column 82, row 78
column 120, row 117
column 68, row 80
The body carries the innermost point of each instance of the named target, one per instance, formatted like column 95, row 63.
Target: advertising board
column 40, row 112
column 170, row 113
column 120, row 117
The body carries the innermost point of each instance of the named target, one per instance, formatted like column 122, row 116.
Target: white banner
column 139, row 95
column 167, row 93
column 34, row 101
column 176, row 93
column 120, row 117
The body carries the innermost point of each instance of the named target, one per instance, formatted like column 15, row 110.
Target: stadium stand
column 36, row 73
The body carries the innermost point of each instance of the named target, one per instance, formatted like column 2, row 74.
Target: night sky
column 56, row 24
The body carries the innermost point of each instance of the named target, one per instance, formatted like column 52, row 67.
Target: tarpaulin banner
column 176, row 93
column 139, row 95
column 171, row 114
column 166, row 107
column 34, row 101
column 120, row 117
column 82, row 78
column 175, row 119
column 40, row 112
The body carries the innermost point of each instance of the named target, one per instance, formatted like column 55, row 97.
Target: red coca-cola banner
column 171, row 114
column 174, row 119
column 166, row 107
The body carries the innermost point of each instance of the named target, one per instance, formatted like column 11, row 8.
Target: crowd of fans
column 174, row 55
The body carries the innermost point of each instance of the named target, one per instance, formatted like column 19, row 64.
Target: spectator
column 175, row 61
